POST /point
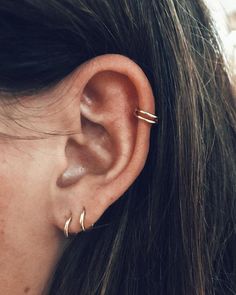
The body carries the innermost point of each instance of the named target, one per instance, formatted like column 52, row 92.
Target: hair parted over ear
column 109, row 151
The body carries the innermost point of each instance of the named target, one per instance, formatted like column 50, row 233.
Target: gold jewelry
column 66, row 227
column 82, row 218
column 146, row 116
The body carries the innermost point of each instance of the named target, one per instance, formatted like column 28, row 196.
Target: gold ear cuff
column 146, row 116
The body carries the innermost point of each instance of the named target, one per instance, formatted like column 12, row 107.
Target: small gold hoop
column 146, row 116
column 66, row 227
column 82, row 218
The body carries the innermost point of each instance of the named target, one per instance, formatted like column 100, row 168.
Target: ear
column 110, row 149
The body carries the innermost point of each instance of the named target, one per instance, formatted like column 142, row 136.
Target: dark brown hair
column 173, row 231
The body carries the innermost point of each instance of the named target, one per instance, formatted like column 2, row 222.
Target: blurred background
column 224, row 14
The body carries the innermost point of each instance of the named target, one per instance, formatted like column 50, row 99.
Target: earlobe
column 104, row 160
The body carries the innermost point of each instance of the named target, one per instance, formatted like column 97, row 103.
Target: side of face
column 80, row 146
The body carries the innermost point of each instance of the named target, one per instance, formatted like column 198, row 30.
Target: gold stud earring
column 146, row 116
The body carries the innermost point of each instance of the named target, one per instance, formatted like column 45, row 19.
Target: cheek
column 5, row 191
column 24, row 187
column 7, row 197
column 12, row 180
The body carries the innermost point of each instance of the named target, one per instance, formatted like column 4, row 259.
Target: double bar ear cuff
column 146, row 116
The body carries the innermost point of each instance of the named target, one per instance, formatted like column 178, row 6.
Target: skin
column 46, row 180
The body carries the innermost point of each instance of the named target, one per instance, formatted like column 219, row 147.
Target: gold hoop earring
column 146, row 116
column 82, row 218
column 66, row 227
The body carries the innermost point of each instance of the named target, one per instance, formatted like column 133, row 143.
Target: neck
column 27, row 269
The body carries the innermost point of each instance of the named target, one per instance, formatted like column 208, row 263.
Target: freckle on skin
column 26, row 290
